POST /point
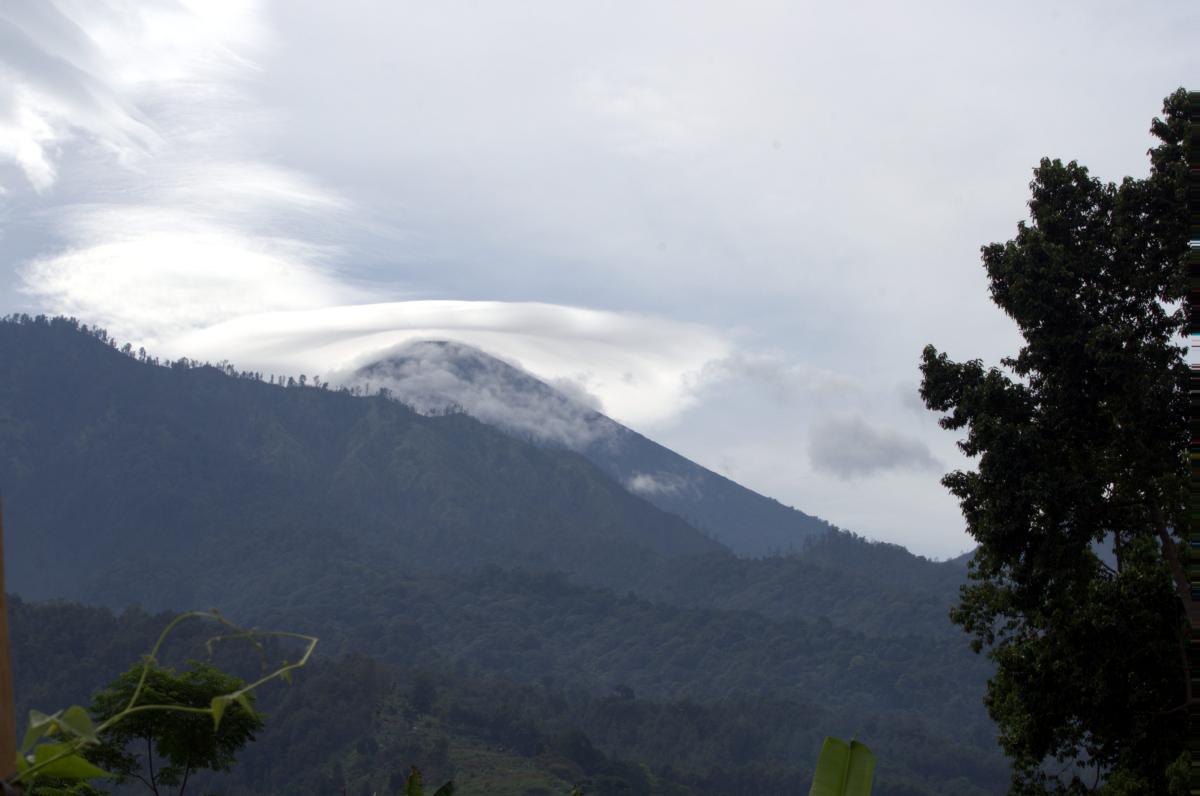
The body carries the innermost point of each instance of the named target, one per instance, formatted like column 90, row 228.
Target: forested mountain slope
column 436, row 375
column 523, row 575
column 110, row 461
column 134, row 482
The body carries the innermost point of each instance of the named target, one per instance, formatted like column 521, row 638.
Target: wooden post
column 8, row 722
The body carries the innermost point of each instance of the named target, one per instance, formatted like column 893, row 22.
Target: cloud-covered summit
column 436, row 376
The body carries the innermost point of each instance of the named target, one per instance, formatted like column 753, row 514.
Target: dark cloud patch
column 850, row 447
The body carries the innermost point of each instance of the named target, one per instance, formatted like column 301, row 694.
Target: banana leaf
column 843, row 769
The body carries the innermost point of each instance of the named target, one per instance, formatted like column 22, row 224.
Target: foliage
column 414, row 786
column 1081, row 447
column 843, row 769
column 359, row 722
column 180, row 715
column 188, row 742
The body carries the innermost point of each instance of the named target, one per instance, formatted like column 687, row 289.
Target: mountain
column 533, row 584
column 441, row 376
column 118, row 467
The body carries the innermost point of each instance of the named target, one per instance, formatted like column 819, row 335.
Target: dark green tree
column 163, row 748
column 1078, row 499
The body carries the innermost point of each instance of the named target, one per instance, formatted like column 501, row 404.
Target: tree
column 185, row 742
column 1081, row 441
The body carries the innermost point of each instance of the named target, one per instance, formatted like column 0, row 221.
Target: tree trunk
column 1183, row 589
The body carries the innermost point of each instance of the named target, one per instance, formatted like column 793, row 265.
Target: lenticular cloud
column 639, row 370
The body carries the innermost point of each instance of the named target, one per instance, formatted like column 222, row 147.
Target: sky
column 732, row 227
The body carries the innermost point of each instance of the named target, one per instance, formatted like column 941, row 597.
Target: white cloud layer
column 153, row 274
column 93, row 70
column 763, row 242
column 638, row 368
column 436, row 376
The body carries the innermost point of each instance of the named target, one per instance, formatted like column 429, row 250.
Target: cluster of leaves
column 1080, row 494
column 184, row 719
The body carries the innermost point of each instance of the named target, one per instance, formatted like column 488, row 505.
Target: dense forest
column 360, row 721
column 488, row 609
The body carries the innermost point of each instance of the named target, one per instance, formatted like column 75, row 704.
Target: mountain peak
column 439, row 376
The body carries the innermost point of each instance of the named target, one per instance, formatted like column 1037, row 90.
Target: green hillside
column 572, row 632
column 108, row 460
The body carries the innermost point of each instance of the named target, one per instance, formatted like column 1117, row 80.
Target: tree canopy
column 1079, row 493
column 162, row 749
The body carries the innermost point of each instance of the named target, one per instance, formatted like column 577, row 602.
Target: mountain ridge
column 224, row 458
column 411, row 538
column 444, row 375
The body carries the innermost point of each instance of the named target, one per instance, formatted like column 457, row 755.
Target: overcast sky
column 734, row 225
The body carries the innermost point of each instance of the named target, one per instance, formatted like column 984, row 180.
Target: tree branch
column 1184, row 589
column 187, row 772
column 150, row 763
column 142, row 780
column 1171, row 551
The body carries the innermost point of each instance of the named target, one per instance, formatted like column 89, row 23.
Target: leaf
column 413, row 786
column 70, row 767
column 445, row 790
column 830, row 776
column 218, row 706
column 77, row 721
column 843, row 769
column 862, row 770
column 244, row 700
column 39, row 725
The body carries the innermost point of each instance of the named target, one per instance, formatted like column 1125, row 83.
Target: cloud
column 171, row 166
column 909, row 395
column 848, row 447
column 438, row 376
column 646, row 120
column 574, row 389
column 93, row 72
column 640, row 369
column 152, row 274
column 54, row 81
column 786, row 381
column 190, row 226
column 659, row 483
